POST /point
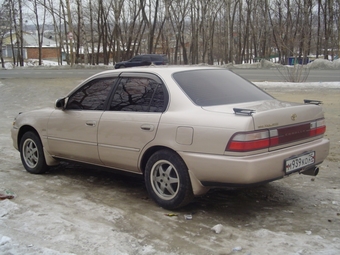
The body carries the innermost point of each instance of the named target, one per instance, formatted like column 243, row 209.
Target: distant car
column 186, row 129
column 144, row 60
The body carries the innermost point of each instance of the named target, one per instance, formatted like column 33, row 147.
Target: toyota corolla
column 185, row 129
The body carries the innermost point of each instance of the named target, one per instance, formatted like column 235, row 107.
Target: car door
column 72, row 132
column 131, row 120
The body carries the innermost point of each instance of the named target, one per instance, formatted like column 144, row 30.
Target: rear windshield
column 218, row 87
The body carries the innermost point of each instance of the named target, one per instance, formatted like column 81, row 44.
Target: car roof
column 150, row 55
column 165, row 73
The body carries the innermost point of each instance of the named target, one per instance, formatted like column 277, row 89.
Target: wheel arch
column 197, row 187
column 24, row 129
column 50, row 161
column 147, row 154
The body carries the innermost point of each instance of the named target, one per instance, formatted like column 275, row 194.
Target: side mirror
column 60, row 103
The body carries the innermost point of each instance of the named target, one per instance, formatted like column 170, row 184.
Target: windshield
column 217, row 87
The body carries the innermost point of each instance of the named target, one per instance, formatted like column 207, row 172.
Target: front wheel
column 167, row 180
column 31, row 153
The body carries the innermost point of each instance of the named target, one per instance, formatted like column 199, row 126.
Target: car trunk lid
column 285, row 122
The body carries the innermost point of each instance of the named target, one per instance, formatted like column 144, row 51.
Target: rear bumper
column 223, row 170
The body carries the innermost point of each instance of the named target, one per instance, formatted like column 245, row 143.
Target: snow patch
column 7, row 207
column 4, row 240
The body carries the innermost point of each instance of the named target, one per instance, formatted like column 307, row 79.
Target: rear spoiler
column 240, row 111
column 308, row 101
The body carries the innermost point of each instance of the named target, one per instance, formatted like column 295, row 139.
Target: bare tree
column 81, row 38
column 4, row 27
column 16, row 26
column 20, row 34
column 337, row 15
column 131, row 30
column 39, row 22
column 189, row 31
column 328, row 25
column 54, row 12
column 178, row 14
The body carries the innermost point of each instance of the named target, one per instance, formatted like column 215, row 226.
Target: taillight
column 249, row 141
column 263, row 139
column 317, row 128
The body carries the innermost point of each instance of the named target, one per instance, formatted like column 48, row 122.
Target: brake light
column 263, row 139
column 249, row 141
column 317, row 128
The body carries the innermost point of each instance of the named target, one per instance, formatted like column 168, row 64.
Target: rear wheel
column 167, row 180
column 31, row 153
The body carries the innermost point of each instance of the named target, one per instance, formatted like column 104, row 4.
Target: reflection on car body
column 186, row 129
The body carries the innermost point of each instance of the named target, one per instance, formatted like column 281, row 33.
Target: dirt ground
column 77, row 210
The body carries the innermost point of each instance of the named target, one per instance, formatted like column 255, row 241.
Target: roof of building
column 30, row 40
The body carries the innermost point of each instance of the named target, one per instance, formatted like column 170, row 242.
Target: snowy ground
column 77, row 210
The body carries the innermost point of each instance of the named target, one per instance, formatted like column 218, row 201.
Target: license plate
column 300, row 161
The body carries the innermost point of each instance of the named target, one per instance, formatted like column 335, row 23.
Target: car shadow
column 249, row 202
column 98, row 177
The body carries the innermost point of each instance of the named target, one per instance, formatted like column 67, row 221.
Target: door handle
column 147, row 127
column 90, row 123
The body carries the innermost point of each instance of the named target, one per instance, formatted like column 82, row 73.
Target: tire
column 167, row 180
column 32, row 154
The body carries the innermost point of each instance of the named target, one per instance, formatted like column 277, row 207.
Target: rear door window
column 139, row 94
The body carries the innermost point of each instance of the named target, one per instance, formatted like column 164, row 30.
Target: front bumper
column 14, row 136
